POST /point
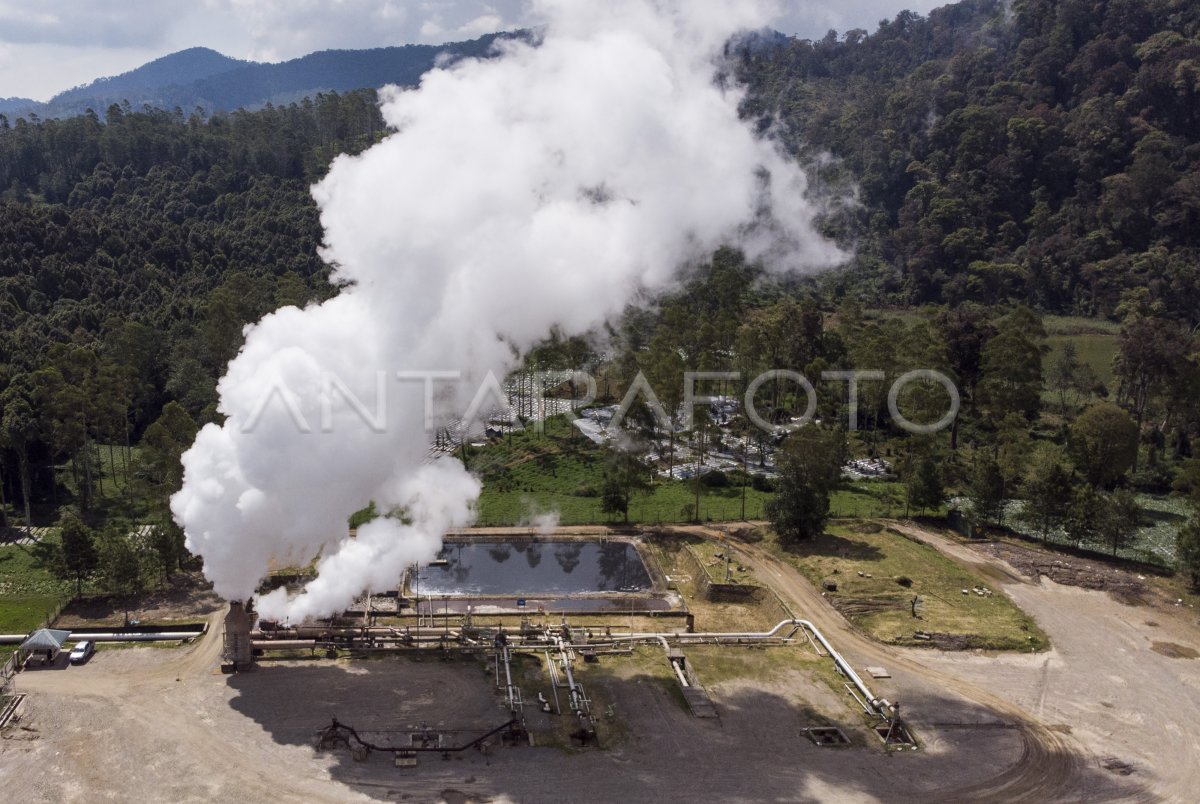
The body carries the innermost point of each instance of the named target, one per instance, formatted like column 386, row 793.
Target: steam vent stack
column 238, row 651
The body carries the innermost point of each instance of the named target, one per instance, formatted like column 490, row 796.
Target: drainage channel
column 11, row 708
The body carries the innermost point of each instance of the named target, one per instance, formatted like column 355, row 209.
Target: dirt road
column 1118, row 677
column 1048, row 768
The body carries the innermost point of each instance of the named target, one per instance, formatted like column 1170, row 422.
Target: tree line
column 1036, row 428
column 135, row 250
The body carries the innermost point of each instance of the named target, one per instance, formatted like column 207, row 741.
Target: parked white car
column 82, row 651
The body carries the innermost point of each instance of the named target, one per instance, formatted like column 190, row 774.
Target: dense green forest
column 134, row 252
column 1003, row 164
column 1043, row 151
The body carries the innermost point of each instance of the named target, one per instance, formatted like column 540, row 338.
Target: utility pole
column 745, row 473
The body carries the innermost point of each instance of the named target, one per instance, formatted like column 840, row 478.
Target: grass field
column 1095, row 350
column 868, row 498
column 1095, row 342
column 20, row 615
column 525, row 474
column 667, row 502
column 28, row 593
column 715, row 664
column 1076, row 325
column 746, row 615
column 880, row 606
column 712, row 557
column 22, row 576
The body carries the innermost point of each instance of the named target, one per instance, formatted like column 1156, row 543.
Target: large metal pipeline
column 511, row 697
column 572, row 689
column 674, row 664
column 877, row 704
column 337, row 728
column 679, row 672
column 287, row 644
column 162, row 636
column 701, row 635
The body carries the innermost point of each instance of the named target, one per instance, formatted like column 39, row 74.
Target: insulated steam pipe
column 842, row 664
column 876, row 703
column 508, row 688
column 576, row 702
column 162, row 636
column 679, row 672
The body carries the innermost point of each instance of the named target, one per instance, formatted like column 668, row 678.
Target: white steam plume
column 544, row 187
column 543, row 522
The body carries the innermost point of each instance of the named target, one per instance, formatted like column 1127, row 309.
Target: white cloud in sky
column 481, row 25
column 130, row 23
column 39, row 71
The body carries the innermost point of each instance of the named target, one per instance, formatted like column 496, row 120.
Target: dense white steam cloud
column 545, row 187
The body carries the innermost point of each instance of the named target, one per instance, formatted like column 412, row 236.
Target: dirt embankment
column 1125, row 586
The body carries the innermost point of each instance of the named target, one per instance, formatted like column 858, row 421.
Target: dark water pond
column 534, row 568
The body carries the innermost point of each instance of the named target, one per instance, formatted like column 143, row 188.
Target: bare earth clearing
column 1124, row 586
column 188, row 597
column 1104, row 715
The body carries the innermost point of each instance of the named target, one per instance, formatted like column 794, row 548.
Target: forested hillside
column 1043, row 151
column 204, row 79
column 133, row 253
column 1005, row 162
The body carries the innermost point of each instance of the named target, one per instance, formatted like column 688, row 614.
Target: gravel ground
column 1101, row 717
column 168, row 725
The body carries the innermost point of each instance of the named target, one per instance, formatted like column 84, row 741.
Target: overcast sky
column 46, row 47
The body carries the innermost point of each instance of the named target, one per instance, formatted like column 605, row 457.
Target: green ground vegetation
column 1153, row 542
column 22, row 574
column 879, row 603
column 560, row 470
column 712, row 557
column 1095, row 350
column 867, row 498
column 716, row 664
column 1078, row 325
column 114, row 479
column 28, row 593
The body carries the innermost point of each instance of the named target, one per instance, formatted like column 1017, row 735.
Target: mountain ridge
column 202, row 78
column 15, row 104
